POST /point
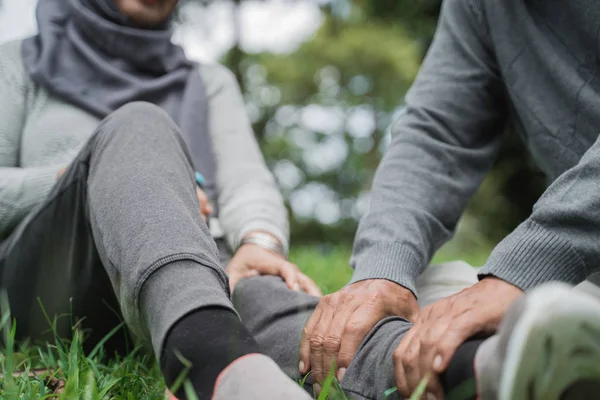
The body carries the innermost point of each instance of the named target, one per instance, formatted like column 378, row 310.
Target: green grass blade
column 420, row 390
column 303, row 381
column 183, row 375
column 190, row 393
column 389, row 392
column 91, row 389
column 328, row 384
column 101, row 343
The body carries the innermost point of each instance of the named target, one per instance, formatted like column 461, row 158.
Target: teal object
column 200, row 179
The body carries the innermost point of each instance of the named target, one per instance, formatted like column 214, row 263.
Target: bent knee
column 139, row 118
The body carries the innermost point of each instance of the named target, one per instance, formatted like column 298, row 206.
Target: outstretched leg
column 122, row 230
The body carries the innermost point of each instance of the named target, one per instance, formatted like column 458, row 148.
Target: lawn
column 137, row 376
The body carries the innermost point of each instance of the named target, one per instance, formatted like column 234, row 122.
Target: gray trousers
column 276, row 316
column 120, row 236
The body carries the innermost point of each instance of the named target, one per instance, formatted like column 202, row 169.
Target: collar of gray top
column 90, row 55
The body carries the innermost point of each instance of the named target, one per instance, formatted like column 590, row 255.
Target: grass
column 137, row 376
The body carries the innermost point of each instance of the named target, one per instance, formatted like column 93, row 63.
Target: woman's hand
column 251, row 260
column 205, row 206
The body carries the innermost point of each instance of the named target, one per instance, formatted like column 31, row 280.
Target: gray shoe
column 547, row 348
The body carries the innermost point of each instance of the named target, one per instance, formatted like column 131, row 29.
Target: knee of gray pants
column 138, row 119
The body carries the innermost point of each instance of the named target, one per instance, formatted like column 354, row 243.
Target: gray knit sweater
column 40, row 134
column 535, row 63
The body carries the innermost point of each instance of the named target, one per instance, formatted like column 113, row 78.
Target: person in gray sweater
column 128, row 175
column 533, row 64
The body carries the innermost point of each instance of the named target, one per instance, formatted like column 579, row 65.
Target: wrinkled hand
column 251, row 260
column 205, row 206
column 343, row 319
column 443, row 326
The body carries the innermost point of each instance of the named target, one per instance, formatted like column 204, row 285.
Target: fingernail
column 301, row 366
column 341, row 373
column 437, row 362
column 317, row 388
column 430, row 396
column 296, row 287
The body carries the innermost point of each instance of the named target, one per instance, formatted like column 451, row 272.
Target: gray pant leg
column 133, row 211
column 275, row 316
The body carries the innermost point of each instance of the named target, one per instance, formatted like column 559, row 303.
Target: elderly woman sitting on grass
column 104, row 127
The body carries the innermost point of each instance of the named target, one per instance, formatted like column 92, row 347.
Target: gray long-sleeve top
column 40, row 134
column 531, row 62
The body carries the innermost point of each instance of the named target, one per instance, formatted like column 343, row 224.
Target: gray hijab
column 89, row 54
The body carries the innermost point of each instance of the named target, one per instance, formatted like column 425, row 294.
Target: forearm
column 443, row 146
column 418, row 197
column 20, row 190
column 254, row 206
column 559, row 241
column 249, row 199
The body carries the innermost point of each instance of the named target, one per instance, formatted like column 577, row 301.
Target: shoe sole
column 554, row 345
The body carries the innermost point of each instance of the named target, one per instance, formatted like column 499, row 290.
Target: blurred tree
column 322, row 114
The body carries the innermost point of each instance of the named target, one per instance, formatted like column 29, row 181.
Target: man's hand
column 251, row 260
column 443, row 326
column 343, row 319
column 205, row 206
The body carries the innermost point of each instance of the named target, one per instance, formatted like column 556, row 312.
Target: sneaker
column 547, row 348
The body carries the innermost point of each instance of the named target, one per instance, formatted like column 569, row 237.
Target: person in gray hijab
column 128, row 174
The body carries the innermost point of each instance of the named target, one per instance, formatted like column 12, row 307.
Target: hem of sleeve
column 391, row 261
column 263, row 226
column 533, row 255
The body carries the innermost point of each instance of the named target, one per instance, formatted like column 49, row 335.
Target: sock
column 210, row 339
column 462, row 369
column 257, row 377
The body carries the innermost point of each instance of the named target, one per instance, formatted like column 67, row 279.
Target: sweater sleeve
column 560, row 241
column 442, row 147
column 249, row 199
column 20, row 188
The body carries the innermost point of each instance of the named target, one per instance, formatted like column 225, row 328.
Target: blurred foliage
column 356, row 70
column 360, row 63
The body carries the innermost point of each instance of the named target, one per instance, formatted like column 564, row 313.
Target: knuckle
column 427, row 342
column 331, row 344
column 354, row 328
column 316, row 341
column 344, row 357
column 306, row 332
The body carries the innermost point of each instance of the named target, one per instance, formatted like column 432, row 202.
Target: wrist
column 265, row 241
column 397, row 299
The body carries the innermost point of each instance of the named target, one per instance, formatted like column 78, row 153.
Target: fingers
column 309, row 286
column 355, row 331
column 236, row 277
column 290, row 274
column 309, row 327
column 317, row 339
column 334, row 336
column 60, row 173
column 205, row 206
column 399, row 364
